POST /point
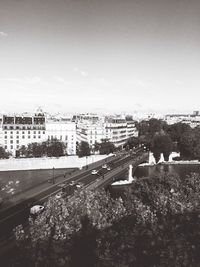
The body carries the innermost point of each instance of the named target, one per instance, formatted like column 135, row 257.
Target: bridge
column 19, row 212
column 114, row 174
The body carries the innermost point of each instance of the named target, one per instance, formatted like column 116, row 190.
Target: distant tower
column 39, row 112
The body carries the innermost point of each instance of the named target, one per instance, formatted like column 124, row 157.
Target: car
column 79, row 185
column 36, row 209
column 72, row 183
column 104, row 166
column 108, row 168
column 94, row 172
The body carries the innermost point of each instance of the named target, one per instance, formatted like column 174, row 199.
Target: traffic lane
column 86, row 179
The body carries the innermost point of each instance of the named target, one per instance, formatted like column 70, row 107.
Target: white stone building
column 65, row 131
column 114, row 129
column 19, row 130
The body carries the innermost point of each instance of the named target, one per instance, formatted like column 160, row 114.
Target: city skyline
column 101, row 56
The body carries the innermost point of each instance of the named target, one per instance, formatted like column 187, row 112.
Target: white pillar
column 130, row 173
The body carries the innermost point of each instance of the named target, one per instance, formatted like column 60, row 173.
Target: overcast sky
column 99, row 55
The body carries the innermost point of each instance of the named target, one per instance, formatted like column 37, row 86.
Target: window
column 61, row 137
column 17, row 132
column 11, row 137
column 29, row 132
column 17, row 136
column 29, row 137
column 38, row 132
column 66, row 137
column 5, row 141
column 5, row 132
column 11, row 127
column 38, row 136
column 34, row 136
column 17, row 127
column 34, row 132
column 17, row 141
column 17, row 146
column 5, row 147
column 43, row 132
column 23, row 132
column 23, row 136
column 11, row 141
column 11, row 147
column 5, row 136
column 11, row 132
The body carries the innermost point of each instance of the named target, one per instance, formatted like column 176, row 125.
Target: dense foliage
column 3, row 153
column 55, row 235
column 83, row 149
column 162, row 138
column 105, row 147
column 155, row 223
column 49, row 148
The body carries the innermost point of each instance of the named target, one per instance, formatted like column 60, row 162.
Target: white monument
column 130, row 178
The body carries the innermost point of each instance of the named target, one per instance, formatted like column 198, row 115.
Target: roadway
column 19, row 213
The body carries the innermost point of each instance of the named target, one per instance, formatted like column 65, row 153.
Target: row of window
column 23, row 132
column 23, row 137
column 61, row 137
column 23, row 128
column 11, row 147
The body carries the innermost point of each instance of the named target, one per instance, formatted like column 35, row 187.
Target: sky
column 100, row 55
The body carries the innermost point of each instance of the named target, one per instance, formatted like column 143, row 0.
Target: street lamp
column 53, row 179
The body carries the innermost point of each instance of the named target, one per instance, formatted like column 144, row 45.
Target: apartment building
column 90, row 132
column 115, row 129
column 192, row 119
column 19, row 130
column 63, row 130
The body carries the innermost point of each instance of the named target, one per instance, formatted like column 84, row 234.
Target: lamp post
column 53, row 179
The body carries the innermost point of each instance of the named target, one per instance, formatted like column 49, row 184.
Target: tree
column 83, row 149
column 3, row 153
column 55, row 148
column 131, row 143
column 66, row 225
column 161, row 143
column 49, row 148
column 106, row 147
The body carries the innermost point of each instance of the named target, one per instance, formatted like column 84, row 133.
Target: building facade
column 17, row 131
column 114, row 129
column 65, row 131
column 20, row 130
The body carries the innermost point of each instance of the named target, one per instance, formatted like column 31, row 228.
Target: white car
column 94, row 172
column 79, row 185
column 104, row 166
column 36, row 209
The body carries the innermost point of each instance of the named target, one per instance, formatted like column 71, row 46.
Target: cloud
column 82, row 72
column 59, row 79
column 26, row 80
column 3, row 34
column 105, row 82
